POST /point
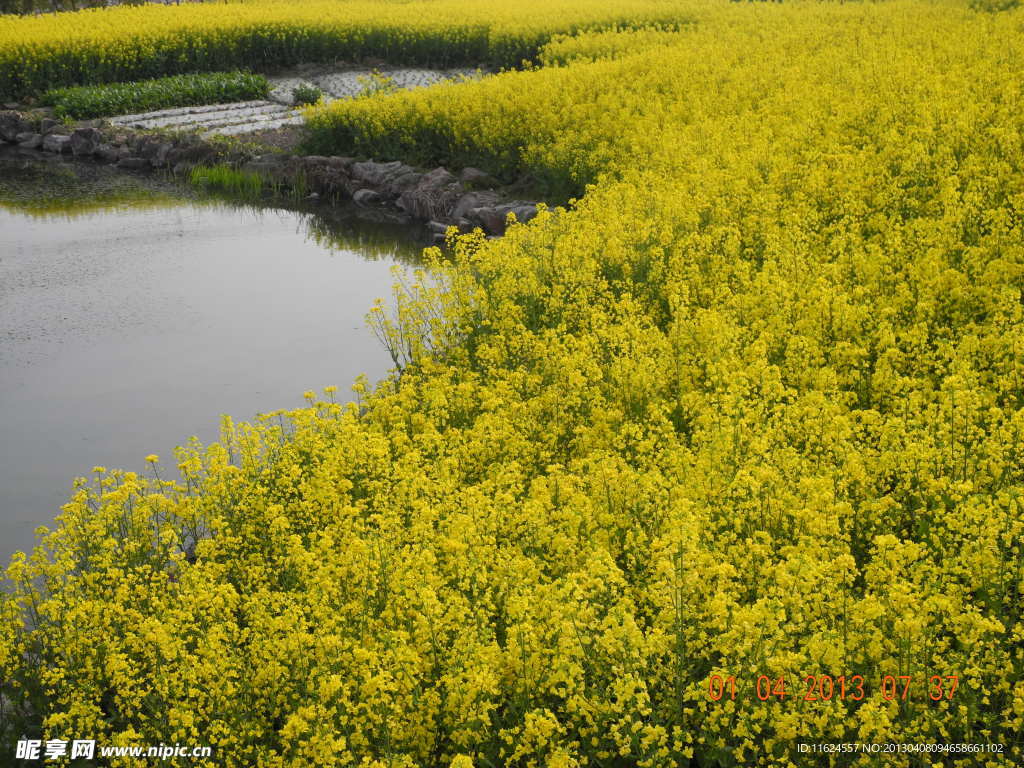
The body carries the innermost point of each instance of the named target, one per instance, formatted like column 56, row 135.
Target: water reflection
column 130, row 322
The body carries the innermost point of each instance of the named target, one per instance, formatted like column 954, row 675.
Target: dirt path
column 276, row 112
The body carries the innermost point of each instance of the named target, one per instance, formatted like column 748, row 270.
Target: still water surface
column 128, row 329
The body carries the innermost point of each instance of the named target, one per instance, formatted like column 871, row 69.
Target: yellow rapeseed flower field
column 748, row 411
column 135, row 42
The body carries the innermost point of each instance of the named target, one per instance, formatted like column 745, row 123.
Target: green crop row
column 83, row 102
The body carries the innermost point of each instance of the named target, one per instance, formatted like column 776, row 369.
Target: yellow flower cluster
column 151, row 40
column 605, row 44
column 751, row 407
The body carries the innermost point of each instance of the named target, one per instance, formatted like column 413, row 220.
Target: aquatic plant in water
column 226, row 179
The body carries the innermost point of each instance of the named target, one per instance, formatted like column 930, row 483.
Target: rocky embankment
column 438, row 197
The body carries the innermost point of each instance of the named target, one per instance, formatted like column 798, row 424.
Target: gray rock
column 85, row 141
column 366, row 197
column 327, row 175
column 49, row 125
column 439, row 177
column 437, row 227
column 30, row 140
column 11, row 105
column 11, row 125
column 195, row 154
column 397, row 184
column 525, row 212
column 133, row 163
column 270, row 160
column 474, row 178
column 106, row 153
column 474, row 200
column 433, row 197
column 265, row 169
column 315, row 161
column 390, row 179
column 491, row 219
column 375, row 174
column 146, row 147
column 55, row 142
column 159, row 158
column 174, row 157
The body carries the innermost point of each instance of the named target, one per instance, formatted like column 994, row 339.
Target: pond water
column 128, row 327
